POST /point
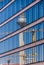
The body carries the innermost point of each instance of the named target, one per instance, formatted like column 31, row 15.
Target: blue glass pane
column 15, row 7
column 3, row 3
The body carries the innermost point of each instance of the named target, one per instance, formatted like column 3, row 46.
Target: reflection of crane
column 40, row 30
column 33, row 39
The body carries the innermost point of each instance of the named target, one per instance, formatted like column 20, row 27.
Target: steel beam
column 22, row 29
column 22, row 48
column 17, row 14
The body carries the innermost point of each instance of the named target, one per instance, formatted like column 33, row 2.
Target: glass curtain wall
column 28, row 57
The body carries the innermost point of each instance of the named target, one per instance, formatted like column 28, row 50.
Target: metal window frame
column 36, row 63
column 22, row 48
column 22, row 29
column 20, row 12
column 3, row 8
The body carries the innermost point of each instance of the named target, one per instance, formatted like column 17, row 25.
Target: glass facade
column 13, row 42
column 3, row 3
column 32, row 14
column 28, row 57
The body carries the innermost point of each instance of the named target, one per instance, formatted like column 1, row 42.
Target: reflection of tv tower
column 21, row 22
column 33, row 49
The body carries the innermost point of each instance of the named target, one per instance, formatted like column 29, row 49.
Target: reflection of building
column 24, row 44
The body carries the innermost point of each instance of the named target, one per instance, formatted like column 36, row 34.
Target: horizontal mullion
column 22, row 29
column 6, row 5
column 22, row 48
column 17, row 14
column 37, row 63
